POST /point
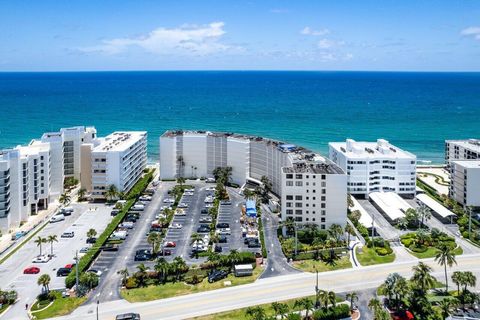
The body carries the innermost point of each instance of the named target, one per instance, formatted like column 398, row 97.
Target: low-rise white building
column 375, row 166
column 462, row 150
column 293, row 171
column 465, row 182
column 119, row 160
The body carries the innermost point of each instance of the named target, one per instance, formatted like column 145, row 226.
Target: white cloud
column 186, row 39
column 325, row 44
column 278, row 10
column 311, row 32
column 471, row 31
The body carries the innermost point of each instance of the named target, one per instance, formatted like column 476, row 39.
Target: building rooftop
column 468, row 163
column 326, row 167
column 379, row 149
column 119, row 141
column 471, row 144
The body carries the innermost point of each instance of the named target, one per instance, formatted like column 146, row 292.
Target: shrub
column 420, row 249
column 294, row 316
column 131, row 283
column 339, row 312
column 383, row 251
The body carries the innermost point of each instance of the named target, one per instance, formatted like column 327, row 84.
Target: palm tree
column 214, row 259
column 322, row 298
column 458, row 279
column 180, row 266
column 304, row 303
column 255, row 313
column 89, row 279
column 64, row 199
column 162, row 267
column 374, row 304
column 124, row 273
column 422, row 277
column 425, row 213
column 91, row 233
column 469, row 280
column 154, row 238
column 112, row 192
column 233, row 257
column 350, row 231
column 401, row 289
column 181, row 164
column 280, row 309
column 446, row 306
column 332, row 298
column 248, row 194
column 141, row 274
column 44, row 281
column 181, row 181
column 39, row 241
column 445, row 257
column 81, row 194
column 51, row 239
column 335, row 231
column 352, row 296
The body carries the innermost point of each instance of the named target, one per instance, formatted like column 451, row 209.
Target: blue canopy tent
column 251, row 209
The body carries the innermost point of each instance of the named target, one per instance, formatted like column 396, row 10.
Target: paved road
column 384, row 229
column 265, row 291
column 277, row 264
column 11, row 272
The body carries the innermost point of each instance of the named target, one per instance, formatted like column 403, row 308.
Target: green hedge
column 338, row 312
column 87, row 259
column 262, row 236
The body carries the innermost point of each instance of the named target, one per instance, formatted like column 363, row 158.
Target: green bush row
column 87, row 259
column 340, row 311
column 262, row 236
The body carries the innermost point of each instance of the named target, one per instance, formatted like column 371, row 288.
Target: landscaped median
column 57, row 306
column 423, row 244
column 376, row 252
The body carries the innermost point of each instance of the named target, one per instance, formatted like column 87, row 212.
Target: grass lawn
column 369, row 257
column 168, row 290
column 240, row 313
column 3, row 308
column 61, row 306
column 432, row 251
column 311, row 265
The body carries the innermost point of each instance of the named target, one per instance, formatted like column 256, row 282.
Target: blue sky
column 240, row 35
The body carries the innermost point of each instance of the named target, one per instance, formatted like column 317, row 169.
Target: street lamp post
column 98, row 302
column 76, row 272
column 317, row 303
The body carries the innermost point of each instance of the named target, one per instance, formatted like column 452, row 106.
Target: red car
column 31, row 270
column 170, row 244
column 69, row 266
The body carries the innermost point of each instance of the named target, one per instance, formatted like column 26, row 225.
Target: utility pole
column 98, row 302
column 317, row 303
column 373, row 231
column 469, row 222
column 76, row 272
column 296, row 238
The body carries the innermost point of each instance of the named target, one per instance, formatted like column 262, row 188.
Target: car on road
column 41, row 259
column 57, row 218
column 18, row 235
column 31, row 270
column 216, row 275
column 170, row 244
column 63, row 272
column 68, row 234
column 176, row 226
column 95, row 271
column 128, row 316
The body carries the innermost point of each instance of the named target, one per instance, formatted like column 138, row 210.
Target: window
column 289, row 211
column 298, row 183
column 298, row 204
column 288, row 204
column 289, row 176
column 289, row 197
column 298, row 176
column 289, row 183
column 298, row 197
column 323, row 205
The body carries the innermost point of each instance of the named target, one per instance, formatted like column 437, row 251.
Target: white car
column 41, row 259
column 210, row 189
column 206, row 219
column 188, row 193
column 182, row 205
column 190, row 190
column 145, row 198
column 180, row 212
column 209, row 205
column 96, row 272
column 57, row 218
column 176, row 226
column 165, row 207
column 160, row 216
column 168, row 200
column 224, row 231
column 208, row 199
column 128, row 225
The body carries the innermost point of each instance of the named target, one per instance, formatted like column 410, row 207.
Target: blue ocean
column 416, row 111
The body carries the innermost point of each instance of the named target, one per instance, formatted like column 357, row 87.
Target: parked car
column 225, row 202
column 57, row 218
column 142, row 257
column 95, row 271
column 168, row 200
column 210, row 180
column 218, row 249
column 68, row 234
column 128, row 316
column 209, row 205
column 145, row 198
column 66, row 211
column 138, row 207
column 91, row 240
column 114, row 212
column 166, row 252
column 127, row 225
column 155, row 229
column 70, row 265
column 31, row 270
column 203, row 229
column 119, row 235
column 63, row 272
column 204, row 211
column 216, row 275
column 206, row 219
column 84, row 250
column 176, row 226
column 223, row 225
column 225, row 231
column 109, row 247
column 254, row 243
column 222, row 239
column 182, row 205
column 170, row 244
column 41, row 259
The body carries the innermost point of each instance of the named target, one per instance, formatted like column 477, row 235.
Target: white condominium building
column 65, row 149
column 24, row 182
column 465, row 182
column 462, row 150
column 375, row 166
column 119, row 159
column 197, row 153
